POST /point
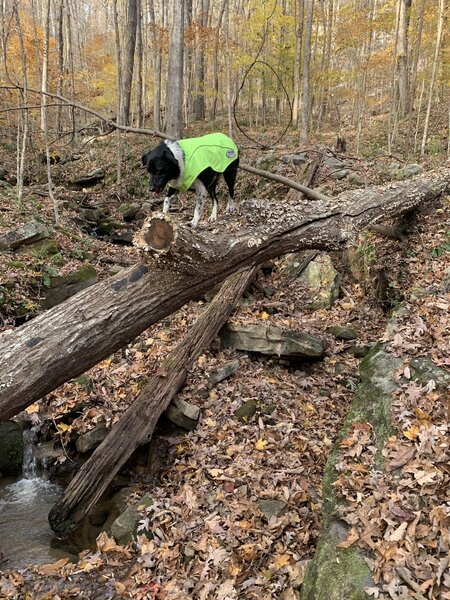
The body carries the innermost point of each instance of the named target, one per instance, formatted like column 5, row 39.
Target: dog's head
column 162, row 167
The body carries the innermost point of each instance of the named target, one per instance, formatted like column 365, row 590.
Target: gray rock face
column 183, row 414
column 62, row 287
column 295, row 159
column 25, row 234
column 124, row 528
column 11, row 448
column 323, row 280
column 223, row 372
column 90, row 440
column 273, row 341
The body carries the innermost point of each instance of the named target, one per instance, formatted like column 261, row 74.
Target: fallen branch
column 137, row 424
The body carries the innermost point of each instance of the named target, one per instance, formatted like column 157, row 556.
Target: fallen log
column 68, row 339
column 137, row 424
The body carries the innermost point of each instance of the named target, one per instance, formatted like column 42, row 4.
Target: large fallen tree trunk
column 65, row 341
column 137, row 424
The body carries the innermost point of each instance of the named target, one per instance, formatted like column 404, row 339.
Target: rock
column 274, row 341
column 124, row 528
column 423, row 369
column 341, row 569
column 122, row 237
column 129, row 210
column 183, row 414
column 340, row 174
column 223, row 372
column 342, row 333
column 90, row 179
column 333, row 162
column 25, row 234
column 11, row 448
column 246, row 410
column 62, row 287
column 360, row 351
column 266, row 163
column 108, row 227
column 294, row 264
column 356, row 179
column 85, row 382
column 95, row 215
column 273, row 508
column 410, row 170
column 42, row 248
column 295, row 159
column 323, row 280
column 90, row 440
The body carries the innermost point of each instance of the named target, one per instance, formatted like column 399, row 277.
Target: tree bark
column 174, row 123
column 68, row 339
column 137, row 424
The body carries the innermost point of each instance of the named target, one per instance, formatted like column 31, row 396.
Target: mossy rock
column 61, row 287
column 11, row 448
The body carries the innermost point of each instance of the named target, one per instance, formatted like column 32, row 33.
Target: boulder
column 323, row 281
column 24, row 234
column 183, row 414
column 223, row 372
column 295, row 159
column 62, row 287
column 90, row 179
column 93, row 438
column 273, row 341
column 125, row 528
column 11, row 448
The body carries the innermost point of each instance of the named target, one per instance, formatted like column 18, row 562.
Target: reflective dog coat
column 215, row 150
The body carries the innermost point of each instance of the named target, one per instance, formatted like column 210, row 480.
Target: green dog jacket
column 215, row 150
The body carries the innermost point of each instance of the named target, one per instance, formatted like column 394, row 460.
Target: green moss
column 336, row 573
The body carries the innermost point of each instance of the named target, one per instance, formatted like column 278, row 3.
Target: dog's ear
column 168, row 155
column 145, row 158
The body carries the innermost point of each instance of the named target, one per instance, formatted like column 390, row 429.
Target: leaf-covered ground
column 236, row 511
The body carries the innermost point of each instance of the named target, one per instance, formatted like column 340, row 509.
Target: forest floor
column 214, row 535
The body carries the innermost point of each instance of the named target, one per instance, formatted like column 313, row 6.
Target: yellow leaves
column 62, row 427
column 261, row 445
column 263, row 315
column 412, row 433
column 281, row 560
column 33, row 408
column 52, row 568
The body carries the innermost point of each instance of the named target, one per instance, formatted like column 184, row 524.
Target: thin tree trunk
column 437, row 50
column 23, row 140
column 306, row 93
column 174, row 125
column 128, row 56
column 404, row 101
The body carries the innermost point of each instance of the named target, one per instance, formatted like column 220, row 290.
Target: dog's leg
column 199, row 202
column 212, row 193
column 170, row 192
column 229, row 175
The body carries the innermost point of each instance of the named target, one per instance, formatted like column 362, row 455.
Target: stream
column 25, row 501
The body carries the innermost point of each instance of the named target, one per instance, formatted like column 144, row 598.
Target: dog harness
column 215, row 150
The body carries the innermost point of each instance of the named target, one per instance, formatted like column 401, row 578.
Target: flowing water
column 25, row 535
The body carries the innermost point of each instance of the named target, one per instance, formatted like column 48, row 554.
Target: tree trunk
column 306, row 94
column 137, row 424
column 174, row 123
column 68, row 339
column 128, row 54
column 404, row 101
column 440, row 27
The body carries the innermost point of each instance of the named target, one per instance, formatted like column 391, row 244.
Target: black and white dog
column 194, row 164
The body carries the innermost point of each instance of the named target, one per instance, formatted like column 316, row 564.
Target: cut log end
column 157, row 234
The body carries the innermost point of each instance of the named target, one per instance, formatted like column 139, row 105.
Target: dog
column 194, row 164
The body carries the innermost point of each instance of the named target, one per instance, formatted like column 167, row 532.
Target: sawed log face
column 68, row 339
